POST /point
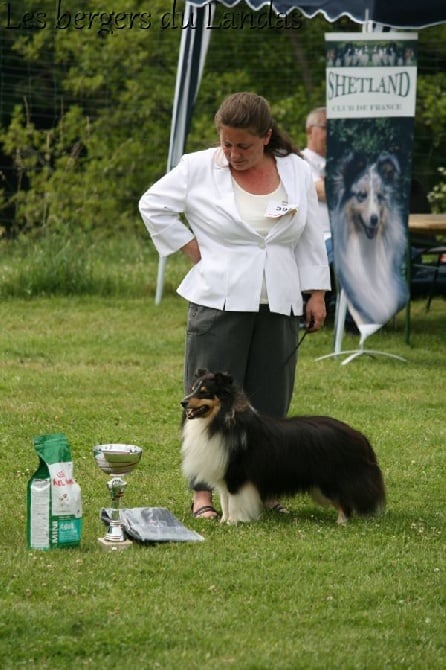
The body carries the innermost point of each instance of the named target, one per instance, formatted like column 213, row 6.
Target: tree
column 87, row 99
column 88, row 163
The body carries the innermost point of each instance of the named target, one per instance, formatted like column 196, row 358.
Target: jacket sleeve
column 311, row 252
column 161, row 206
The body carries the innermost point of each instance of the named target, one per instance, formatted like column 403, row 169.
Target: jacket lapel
column 288, row 179
column 223, row 182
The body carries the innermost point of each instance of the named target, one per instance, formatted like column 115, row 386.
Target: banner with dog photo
column 371, row 93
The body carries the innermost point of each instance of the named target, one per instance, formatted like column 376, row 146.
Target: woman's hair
column 251, row 111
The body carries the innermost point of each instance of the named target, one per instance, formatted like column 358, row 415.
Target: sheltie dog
column 250, row 458
column 369, row 236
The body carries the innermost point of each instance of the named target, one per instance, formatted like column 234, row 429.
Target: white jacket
column 234, row 256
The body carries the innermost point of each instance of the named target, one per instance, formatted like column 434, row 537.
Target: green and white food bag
column 54, row 504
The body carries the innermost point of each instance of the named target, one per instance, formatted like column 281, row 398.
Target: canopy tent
column 195, row 40
column 392, row 13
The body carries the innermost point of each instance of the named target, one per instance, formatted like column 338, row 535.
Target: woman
column 255, row 244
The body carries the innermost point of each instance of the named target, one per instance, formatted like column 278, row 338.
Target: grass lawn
column 289, row 592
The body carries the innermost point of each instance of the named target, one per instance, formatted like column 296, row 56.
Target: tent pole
column 160, row 279
column 193, row 48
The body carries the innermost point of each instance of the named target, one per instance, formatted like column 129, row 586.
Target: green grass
column 290, row 592
column 76, row 263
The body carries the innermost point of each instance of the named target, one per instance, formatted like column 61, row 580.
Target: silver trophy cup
column 116, row 460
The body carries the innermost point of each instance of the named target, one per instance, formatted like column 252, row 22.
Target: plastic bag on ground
column 151, row 524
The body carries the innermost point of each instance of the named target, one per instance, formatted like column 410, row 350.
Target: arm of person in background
column 320, row 189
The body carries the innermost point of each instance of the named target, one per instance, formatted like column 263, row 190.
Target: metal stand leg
column 341, row 311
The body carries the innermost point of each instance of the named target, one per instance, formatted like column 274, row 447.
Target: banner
column 371, row 94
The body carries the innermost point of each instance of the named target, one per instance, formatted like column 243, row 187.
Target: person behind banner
column 255, row 243
column 315, row 154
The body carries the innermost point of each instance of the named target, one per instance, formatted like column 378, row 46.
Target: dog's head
column 367, row 190
column 209, row 391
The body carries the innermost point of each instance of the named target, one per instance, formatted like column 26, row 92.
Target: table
column 431, row 225
column 427, row 223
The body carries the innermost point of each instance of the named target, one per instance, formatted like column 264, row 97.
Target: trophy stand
column 116, row 460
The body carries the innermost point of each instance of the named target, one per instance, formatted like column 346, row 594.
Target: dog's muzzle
column 194, row 412
column 371, row 227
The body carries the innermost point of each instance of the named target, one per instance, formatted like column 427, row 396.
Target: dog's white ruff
column 205, row 458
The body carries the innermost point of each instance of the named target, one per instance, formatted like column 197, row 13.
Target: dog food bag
column 54, row 505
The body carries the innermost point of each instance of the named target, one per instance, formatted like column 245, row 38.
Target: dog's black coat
column 288, row 456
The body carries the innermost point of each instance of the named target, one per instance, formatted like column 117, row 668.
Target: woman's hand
column 192, row 251
column 315, row 311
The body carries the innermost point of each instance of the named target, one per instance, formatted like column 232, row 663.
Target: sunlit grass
column 290, row 592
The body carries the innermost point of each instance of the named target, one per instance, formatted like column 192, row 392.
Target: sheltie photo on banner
column 371, row 94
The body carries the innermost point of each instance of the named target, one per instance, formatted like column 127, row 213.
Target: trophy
column 116, row 460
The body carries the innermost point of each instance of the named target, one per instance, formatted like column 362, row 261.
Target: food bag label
column 39, row 520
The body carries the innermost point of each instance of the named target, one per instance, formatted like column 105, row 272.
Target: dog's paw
column 342, row 519
column 232, row 522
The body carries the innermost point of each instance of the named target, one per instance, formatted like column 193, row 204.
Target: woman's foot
column 202, row 507
column 276, row 506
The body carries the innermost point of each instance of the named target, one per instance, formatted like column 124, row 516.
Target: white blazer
column 234, row 257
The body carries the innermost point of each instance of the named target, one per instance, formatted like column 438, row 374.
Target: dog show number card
column 371, row 93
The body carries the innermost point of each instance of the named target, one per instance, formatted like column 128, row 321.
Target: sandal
column 278, row 507
column 203, row 510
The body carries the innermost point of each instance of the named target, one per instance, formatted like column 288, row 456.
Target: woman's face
column 242, row 149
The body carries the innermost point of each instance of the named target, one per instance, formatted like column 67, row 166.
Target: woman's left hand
column 315, row 311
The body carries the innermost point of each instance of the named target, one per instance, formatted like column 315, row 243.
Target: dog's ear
column 353, row 165
column 201, row 372
column 223, row 378
column 388, row 167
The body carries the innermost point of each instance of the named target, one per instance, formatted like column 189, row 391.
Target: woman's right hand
column 192, row 251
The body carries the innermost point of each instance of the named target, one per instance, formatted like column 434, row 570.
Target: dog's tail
column 367, row 494
column 356, row 477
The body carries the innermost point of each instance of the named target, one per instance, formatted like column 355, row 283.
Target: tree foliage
column 85, row 120
column 107, row 141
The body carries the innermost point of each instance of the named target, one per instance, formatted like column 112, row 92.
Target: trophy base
column 110, row 545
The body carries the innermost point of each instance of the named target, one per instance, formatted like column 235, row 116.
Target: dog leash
column 299, row 342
